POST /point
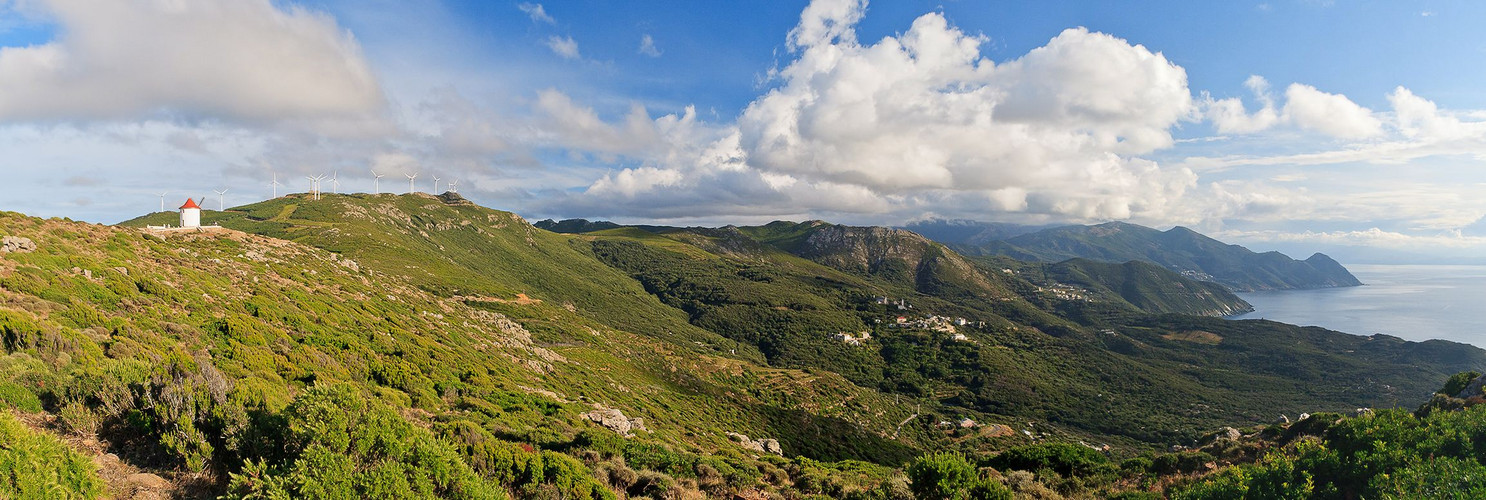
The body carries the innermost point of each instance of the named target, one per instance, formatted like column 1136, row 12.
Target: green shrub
column 952, row 476
column 13, row 395
column 1457, row 383
column 618, row 475
column 36, row 465
column 79, row 419
column 659, row 458
column 1446, row 477
column 941, row 475
column 340, row 445
column 1185, row 462
column 653, row 484
column 571, row 478
column 1136, row 465
column 989, row 490
column 1067, row 459
column 1231, row 483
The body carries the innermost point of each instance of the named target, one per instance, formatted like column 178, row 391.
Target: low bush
column 37, row 465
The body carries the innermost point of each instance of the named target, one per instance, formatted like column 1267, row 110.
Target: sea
column 1413, row 302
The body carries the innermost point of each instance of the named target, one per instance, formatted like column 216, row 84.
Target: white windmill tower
column 162, row 200
column 410, row 177
column 435, row 184
column 275, row 184
column 335, row 183
column 221, row 205
column 376, row 182
column 454, row 187
column 190, row 214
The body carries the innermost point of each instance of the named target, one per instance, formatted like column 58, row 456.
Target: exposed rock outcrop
column 1473, row 389
column 16, row 244
column 615, row 421
column 760, row 445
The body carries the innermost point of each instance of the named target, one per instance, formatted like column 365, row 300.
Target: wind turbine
column 376, row 182
column 335, row 184
column 453, row 186
column 315, row 185
column 435, row 184
column 221, row 206
column 276, row 184
column 410, row 181
column 162, row 200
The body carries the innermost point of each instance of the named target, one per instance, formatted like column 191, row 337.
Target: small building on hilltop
column 190, row 214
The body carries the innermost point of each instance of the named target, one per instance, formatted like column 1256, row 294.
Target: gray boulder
column 759, row 445
column 16, row 244
column 615, row 421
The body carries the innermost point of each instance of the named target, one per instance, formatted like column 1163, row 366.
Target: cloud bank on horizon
column 919, row 123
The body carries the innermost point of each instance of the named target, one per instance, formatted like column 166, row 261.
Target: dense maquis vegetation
column 223, row 361
column 418, row 346
column 787, row 288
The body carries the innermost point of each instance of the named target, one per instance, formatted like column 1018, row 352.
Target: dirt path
column 520, row 300
column 901, row 424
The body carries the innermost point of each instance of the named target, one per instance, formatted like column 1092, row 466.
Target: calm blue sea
column 1411, row 302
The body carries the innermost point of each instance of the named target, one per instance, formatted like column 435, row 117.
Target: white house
column 190, row 214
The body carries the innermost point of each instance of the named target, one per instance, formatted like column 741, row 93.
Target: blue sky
column 1351, row 127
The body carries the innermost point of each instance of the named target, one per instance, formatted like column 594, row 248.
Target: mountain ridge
column 1180, row 249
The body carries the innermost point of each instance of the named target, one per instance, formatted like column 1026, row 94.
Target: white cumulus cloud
column 1305, row 108
column 1229, row 117
column 923, row 111
column 1331, row 114
column 1415, row 130
column 234, row 59
column 919, row 122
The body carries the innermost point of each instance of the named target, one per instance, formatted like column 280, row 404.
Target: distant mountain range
column 1179, row 249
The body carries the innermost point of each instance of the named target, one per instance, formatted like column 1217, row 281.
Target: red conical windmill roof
column 190, row 204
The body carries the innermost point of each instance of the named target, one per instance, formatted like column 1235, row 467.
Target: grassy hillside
column 453, row 248
column 214, row 358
